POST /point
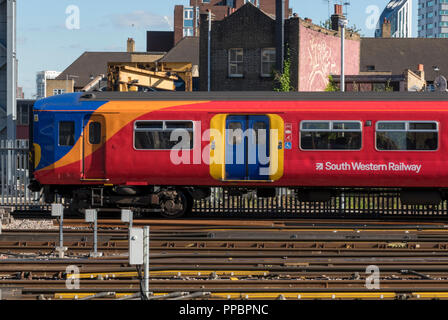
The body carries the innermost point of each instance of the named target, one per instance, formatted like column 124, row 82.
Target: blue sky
column 45, row 43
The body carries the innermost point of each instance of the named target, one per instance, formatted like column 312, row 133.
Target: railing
column 14, row 177
column 350, row 203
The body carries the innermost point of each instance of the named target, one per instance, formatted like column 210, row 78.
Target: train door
column 93, row 151
column 247, row 148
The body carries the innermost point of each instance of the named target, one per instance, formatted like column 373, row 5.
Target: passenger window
column 407, row 136
column 235, row 133
column 66, row 133
column 163, row 135
column 330, row 135
column 260, row 129
column 95, row 133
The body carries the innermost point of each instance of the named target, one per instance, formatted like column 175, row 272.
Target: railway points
column 209, row 259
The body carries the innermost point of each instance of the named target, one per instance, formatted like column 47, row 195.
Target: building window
column 163, row 135
column 66, row 133
column 430, row 3
column 205, row 1
column 444, row 12
column 23, row 118
column 58, row 91
column 253, row 2
column 430, row 26
column 236, row 62
column 430, row 14
column 188, row 32
column 407, row 135
column 267, row 62
column 188, row 14
column 330, row 135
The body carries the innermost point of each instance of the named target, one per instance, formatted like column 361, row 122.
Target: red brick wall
column 178, row 23
column 320, row 56
column 22, row 132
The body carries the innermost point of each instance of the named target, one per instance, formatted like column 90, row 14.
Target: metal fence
column 14, row 177
column 350, row 203
column 359, row 203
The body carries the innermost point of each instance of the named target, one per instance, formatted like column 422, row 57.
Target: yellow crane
column 129, row 76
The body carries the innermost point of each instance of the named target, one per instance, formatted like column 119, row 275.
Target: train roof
column 266, row 95
column 92, row 100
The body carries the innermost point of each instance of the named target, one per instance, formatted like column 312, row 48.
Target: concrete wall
column 320, row 56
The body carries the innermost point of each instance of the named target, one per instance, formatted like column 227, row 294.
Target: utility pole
column 343, row 23
column 209, row 50
column 11, row 67
column 280, row 34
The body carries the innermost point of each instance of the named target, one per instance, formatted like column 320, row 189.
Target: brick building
column 186, row 22
column 243, row 52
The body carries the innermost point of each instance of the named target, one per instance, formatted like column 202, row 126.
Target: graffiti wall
column 320, row 56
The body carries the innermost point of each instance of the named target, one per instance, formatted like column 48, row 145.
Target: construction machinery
column 141, row 76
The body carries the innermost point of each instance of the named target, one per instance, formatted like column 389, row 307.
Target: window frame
column 187, row 15
column 407, row 122
column 59, row 133
column 331, row 130
column 266, row 75
column 164, row 128
column 229, row 62
column 90, row 135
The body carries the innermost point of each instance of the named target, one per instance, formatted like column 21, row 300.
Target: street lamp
column 342, row 23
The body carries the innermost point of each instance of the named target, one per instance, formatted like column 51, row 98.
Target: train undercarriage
column 176, row 201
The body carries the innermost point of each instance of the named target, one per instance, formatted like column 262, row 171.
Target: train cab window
column 330, row 135
column 163, row 135
column 407, row 135
column 66, row 133
column 94, row 133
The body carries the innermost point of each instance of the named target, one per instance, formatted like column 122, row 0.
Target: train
column 162, row 151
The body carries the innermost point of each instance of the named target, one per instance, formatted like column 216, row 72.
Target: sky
column 51, row 34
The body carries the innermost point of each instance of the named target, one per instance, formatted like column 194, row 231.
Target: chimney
column 421, row 71
column 338, row 15
column 386, row 29
column 280, row 33
column 131, row 45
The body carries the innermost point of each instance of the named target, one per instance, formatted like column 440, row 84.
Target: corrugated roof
column 398, row 54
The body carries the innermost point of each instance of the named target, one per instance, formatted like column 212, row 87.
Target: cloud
column 140, row 20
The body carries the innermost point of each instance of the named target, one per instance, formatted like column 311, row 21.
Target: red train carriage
column 162, row 150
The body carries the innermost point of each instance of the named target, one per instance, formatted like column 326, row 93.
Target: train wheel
column 177, row 204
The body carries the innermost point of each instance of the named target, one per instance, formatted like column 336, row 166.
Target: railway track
column 222, row 259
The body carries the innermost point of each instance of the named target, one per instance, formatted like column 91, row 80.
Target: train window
column 66, row 133
column 95, row 132
column 330, row 135
column 149, row 125
column 260, row 129
column 407, row 136
column 179, row 125
column 315, row 125
column 163, row 135
column 235, row 133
